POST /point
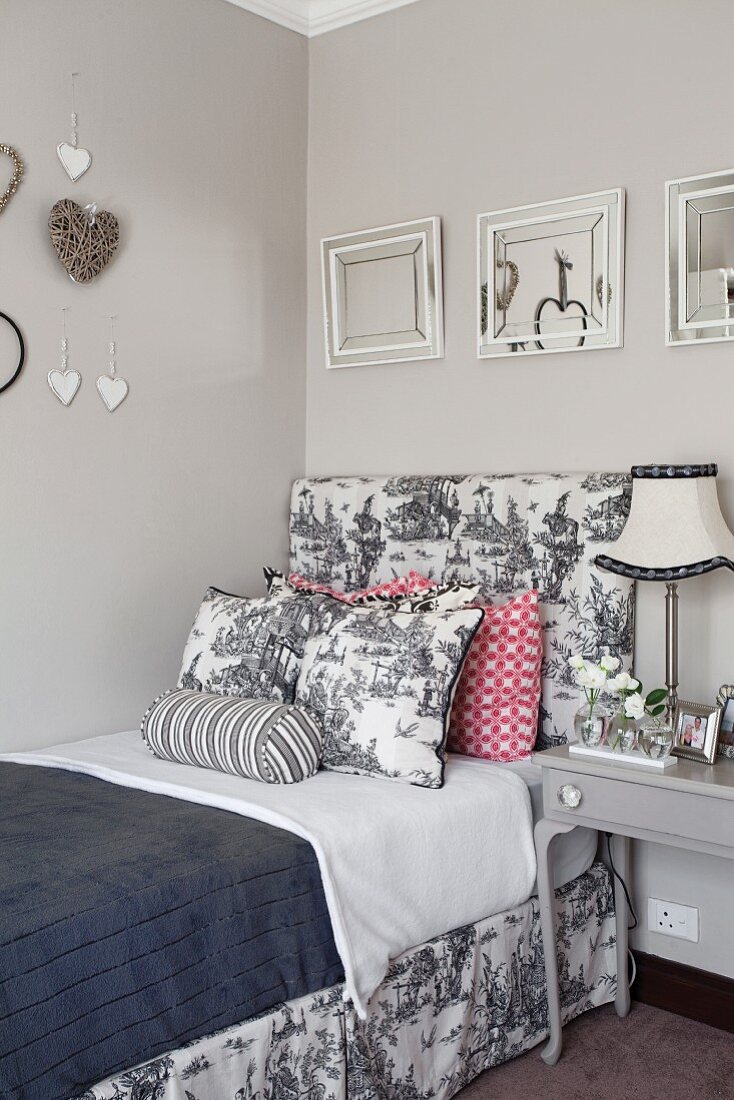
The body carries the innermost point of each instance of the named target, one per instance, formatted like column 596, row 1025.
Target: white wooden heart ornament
column 64, row 384
column 75, row 160
column 113, row 391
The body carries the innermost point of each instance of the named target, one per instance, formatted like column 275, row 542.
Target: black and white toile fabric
column 251, row 648
column 381, row 686
column 255, row 738
column 447, row 1010
column 507, row 532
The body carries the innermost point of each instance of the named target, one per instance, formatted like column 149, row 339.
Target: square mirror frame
column 419, row 239
column 684, row 197
column 600, row 215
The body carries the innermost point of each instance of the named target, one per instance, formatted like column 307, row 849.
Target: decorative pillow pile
column 246, row 648
column 381, row 685
column 495, row 710
column 254, row 738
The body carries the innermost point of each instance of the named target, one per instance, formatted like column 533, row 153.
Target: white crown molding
column 311, row 17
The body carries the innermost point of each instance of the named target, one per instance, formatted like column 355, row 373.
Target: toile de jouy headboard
column 509, row 532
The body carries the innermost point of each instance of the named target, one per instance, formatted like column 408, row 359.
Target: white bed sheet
column 428, row 860
column 574, row 852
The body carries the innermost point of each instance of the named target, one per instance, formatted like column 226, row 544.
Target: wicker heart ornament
column 84, row 238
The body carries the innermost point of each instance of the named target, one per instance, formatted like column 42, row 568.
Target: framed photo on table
column 725, row 700
column 696, row 731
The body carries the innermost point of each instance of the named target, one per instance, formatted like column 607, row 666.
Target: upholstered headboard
column 509, row 532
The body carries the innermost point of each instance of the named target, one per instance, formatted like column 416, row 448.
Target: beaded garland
column 14, row 179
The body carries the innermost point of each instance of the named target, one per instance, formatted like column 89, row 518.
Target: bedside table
column 688, row 806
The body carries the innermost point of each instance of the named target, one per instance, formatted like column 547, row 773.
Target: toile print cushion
column 444, row 597
column 246, row 648
column 495, row 709
column 255, row 738
column 381, row 686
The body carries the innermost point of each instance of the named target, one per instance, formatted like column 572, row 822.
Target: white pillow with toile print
column 381, row 685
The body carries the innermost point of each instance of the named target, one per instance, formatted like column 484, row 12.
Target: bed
column 358, row 1010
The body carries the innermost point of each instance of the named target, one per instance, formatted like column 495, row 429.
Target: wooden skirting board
column 696, row 994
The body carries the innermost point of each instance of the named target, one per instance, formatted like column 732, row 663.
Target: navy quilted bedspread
column 131, row 923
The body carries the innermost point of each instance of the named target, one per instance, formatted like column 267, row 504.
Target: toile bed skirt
column 446, row 1011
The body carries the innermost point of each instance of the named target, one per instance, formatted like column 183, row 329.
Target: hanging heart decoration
column 85, row 239
column 75, row 160
column 14, row 179
column 113, row 391
column 64, row 384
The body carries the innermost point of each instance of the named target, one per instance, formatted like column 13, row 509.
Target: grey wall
column 453, row 107
column 111, row 526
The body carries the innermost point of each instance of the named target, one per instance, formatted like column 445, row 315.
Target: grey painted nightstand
column 688, row 806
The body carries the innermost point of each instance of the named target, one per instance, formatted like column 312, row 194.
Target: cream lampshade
column 674, row 530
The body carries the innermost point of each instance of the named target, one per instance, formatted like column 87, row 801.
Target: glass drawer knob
column 569, row 796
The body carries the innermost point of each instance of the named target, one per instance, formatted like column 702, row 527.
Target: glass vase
column 623, row 732
column 655, row 738
column 591, row 724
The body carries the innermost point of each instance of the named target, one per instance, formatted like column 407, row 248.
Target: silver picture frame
column 699, row 259
column 551, row 276
column 383, row 294
column 696, row 731
column 725, row 701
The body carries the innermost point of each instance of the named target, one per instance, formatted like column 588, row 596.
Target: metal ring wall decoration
column 21, row 352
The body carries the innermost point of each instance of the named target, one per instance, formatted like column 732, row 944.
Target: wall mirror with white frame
column 700, row 259
column 551, row 276
column 383, row 296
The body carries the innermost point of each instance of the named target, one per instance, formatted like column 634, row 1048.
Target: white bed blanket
column 399, row 864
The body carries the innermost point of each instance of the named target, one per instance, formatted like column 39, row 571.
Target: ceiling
column 311, row 17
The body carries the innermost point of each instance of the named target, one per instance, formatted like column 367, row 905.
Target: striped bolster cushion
column 256, row 738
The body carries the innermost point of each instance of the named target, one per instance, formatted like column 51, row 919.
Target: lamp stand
column 671, row 647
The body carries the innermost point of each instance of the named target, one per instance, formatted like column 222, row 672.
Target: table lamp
column 674, row 530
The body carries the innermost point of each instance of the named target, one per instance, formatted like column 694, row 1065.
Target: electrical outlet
column 672, row 919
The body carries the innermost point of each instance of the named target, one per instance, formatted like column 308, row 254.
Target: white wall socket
column 672, row 919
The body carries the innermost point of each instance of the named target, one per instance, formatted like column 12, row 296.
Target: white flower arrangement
column 594, row 679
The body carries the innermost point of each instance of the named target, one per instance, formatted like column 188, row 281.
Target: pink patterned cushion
column 495, row 710
column 411, row 585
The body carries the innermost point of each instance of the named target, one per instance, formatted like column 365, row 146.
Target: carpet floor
column 650, row 1055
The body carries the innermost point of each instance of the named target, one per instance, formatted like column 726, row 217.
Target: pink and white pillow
column 411, row 585
column 495, row 709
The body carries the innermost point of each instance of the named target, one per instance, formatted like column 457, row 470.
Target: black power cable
column 617, row 875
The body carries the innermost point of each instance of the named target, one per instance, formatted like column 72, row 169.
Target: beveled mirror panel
column 700, row 258
column 551, row 276
column 383, row 294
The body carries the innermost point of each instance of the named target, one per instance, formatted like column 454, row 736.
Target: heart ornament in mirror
column 561, row 304
column 15, row 177
column 85, row 239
